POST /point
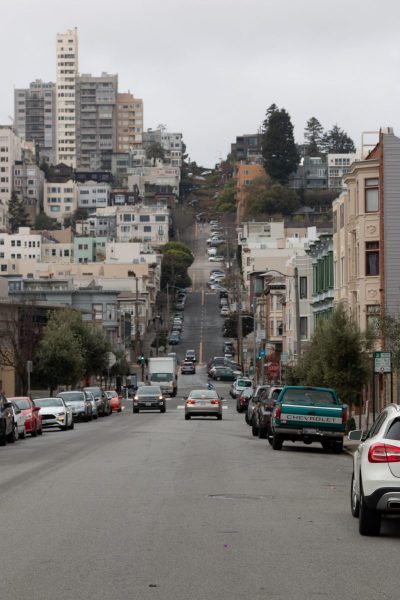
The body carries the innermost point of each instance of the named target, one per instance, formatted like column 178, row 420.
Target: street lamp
column 297, row 303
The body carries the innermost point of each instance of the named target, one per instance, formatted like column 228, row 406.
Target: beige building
column 129, row 122
column 67, row 72
column 356, row 240
column 10, row 152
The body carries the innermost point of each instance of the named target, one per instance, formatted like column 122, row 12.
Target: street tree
column 227, row 198
column 336, row 141
column 313, row 134
column 338, row 356
column 20, row 333
column 279, row 151
column 59, row 358
column 155, row 152
column 230, row 326
column 17, row 215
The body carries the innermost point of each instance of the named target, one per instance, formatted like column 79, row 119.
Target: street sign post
column 382, row 362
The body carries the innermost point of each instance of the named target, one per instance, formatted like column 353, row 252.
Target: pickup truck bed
column 308, row 414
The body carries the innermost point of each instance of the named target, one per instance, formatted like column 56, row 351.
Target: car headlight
column 160, row 397
column 136, row 398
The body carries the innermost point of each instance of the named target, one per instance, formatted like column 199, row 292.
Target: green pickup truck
column 308, row 414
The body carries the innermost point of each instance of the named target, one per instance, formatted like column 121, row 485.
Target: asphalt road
column 151, row 506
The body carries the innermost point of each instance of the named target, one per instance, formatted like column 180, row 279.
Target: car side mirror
column 7, row 405
column 357, row 435
column 36, row 408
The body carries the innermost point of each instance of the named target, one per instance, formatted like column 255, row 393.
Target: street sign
column 382, row 362
column 260, row 335
column 111, row 358
column 284, row 357
column 29, row 367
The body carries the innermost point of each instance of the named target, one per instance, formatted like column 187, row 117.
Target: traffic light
column 140, row 359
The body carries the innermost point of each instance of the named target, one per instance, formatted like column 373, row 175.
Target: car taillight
column 278, row 412
column 215, row 402
column 190, row 401
column 383, row 453
column 344, row 416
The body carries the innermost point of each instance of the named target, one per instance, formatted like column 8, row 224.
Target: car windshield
column 47, row 402
column 243, row 383
column 111, row 393
column 22, row 403
column 161, row 377
column 72, row 396
column 149, row 390
column 293, row 396
column 197, row 394
column 95, row 391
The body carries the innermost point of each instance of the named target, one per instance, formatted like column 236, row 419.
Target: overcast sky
column 210, row 68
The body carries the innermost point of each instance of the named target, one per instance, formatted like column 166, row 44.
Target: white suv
column 375, row 484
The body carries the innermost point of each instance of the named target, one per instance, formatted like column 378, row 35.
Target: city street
column 152, row 506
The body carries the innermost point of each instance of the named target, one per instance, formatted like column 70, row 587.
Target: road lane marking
column 201, row 352
column 202, row 298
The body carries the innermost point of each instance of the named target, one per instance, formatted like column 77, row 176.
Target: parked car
column 79, row 403
column 375, row 482
column 254, row 400
column 238, row 386
column 188, row 368
column 216, row 258
column 149, row 397
column 261, row 419
column 224, row 312
column 92, row 401
column 55, row 413
column 190, row 355
column 309, row 414
column 243, row 399
column 33, row 419
column 19, row 422
column 102, row 402
column 174, row 338
column 222, row 373
column 7, row 424
column 115, row 400
column 180, row 305
column 203, row 403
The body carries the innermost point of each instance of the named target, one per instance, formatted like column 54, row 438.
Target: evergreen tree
column 336, row 141
column 279, row 150
column 17, row 215
column 313, row 134
column 155, row 151
column 43, row 222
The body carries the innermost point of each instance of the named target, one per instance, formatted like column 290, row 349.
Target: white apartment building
column 170, row 142
column 338, row 165
column 60, row 199
column 142, row 223
column 93, row 195
column 160, row 176
column 67, row 72
column 10, row 152
column 134, row 253
column 21, row 246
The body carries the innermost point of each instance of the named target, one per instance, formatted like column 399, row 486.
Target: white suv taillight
column 383, row 453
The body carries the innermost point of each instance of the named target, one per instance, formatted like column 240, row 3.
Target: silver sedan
column 203, row 403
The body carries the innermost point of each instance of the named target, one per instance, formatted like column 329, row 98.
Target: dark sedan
column 223, row 374
column 174, row 338
column 149, row 397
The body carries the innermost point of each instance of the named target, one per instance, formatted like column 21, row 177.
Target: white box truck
column 162, row 372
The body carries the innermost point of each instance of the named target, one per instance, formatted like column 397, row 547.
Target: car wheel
column 22, row 435
column 40, row 431
column 35, row 431
column 355, row 503
column 326, row 445
column 254, row 428
column 262, row 433
column 12, row 436
column 64, row 427
column 72, row 426
column 120, row 409
column 3, row 438
column 96, row 416
column 269, row 436
column 338, row 447
column 277, row 442
column 369, row 520
column 219, row 417
column 187, row 417
column 163, row 409
column 135, row 410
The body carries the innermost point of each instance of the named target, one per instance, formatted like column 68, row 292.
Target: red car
column 115, row 400
column 33, row 420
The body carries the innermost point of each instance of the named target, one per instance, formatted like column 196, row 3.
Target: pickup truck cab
column 309, row 414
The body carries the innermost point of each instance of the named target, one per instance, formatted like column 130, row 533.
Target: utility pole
column 297, row 305
column 239, row 326
column 137, row 330
column 254, row 331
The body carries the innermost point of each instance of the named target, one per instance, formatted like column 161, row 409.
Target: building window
column 341, row 224
column 334, row 216
column 303, row 328
column 97, row 312
column 303, row 287
column 373, row 314
column 371, row 195
column 372, row 258
column 111, row 312
column 144, row 218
